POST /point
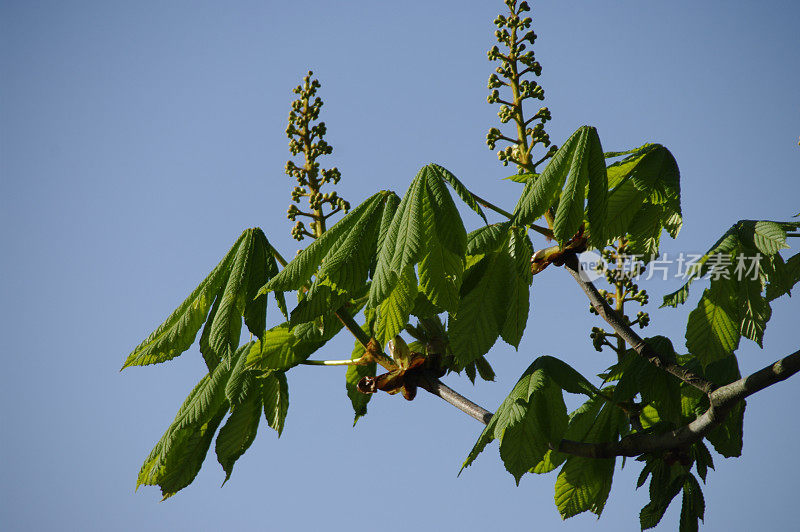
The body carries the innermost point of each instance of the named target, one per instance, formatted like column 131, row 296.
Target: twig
column 625, row 332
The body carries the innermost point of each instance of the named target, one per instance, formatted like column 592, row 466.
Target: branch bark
column 722, row 400
column 625, row 332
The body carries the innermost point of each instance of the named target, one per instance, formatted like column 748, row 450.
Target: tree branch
column 625, row 332
column 722, row 400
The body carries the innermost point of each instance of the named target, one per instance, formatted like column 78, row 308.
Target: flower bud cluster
column 306, row 136
column 516, row 60
column 620, row 273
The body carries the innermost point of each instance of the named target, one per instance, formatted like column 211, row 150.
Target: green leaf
column 261, row 267
column 321, row 299
column 566, row 377
column 648, row 178
column 583, row 484
column 227, row 325
column 210, row 357
column 354, row 375
column 394, row 311
column 756, row 310
column 242, row 381
column 335, row 244
column 769, row 237
column 178, row 332
column 597, row 194
column 481, row 314
column 486, row 239
column 580, row 163
column 745, row 238
column 347, row 263
column 444, row 245
column 400, row 246
column 540, row 194
column 727, row 437
column 459, row 188
column 531, row 418
column 176, row 458
column 426, row 229
column 786, row 276
column 712, row 332
column 693, row 507
column 238, row 432
column 569, row 215
column 660, row 499
column 275, row 396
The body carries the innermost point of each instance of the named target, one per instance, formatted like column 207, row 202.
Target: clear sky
column 138, row 139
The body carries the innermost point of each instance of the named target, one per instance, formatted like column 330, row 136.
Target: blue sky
column 137, row 141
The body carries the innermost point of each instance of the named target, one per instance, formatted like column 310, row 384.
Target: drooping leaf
column 520, row 250
column 786, row 276
column 482, row 311
column 529, row 420
column 693, row 507
column 242, row 381
column 394, row 311
column 727, row 436
column 210, row 357
column 712, row 332
column 176, row 458
column 584, row 483
column 745, row 239
column 239, row 431
column 648, row 179
column 569, row 215
column 755, row 310
column 178, row 332
column 275, row 397
column 425, row 229
column 444, row 245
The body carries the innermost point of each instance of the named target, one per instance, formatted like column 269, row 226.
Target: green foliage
column 426, row 230
column 275, row 396
column 231, row 287
column 399, row 258
column 577, row 167
column 745, row 270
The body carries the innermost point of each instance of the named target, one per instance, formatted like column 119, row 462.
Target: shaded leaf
column 275, row 397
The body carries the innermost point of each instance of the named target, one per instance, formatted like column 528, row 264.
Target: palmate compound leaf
column 495, row 294
column 532, row 418
column 644, row 199
column 427, row 230
column 177, row 457
column 228, row 293
column 745, row 240
column 578, row 167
